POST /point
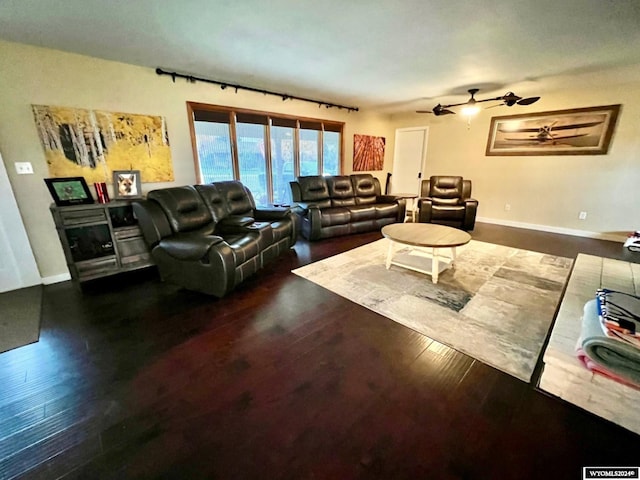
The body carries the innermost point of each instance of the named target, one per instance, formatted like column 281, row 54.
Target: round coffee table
column 427, row 241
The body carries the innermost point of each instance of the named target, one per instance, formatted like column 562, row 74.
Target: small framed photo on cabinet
column 126, row 184
column 69, row 191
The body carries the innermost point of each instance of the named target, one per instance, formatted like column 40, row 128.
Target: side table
column 411, row 203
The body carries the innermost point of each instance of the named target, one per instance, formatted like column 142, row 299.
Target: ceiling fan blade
column 424, row 111
column 510, row 99
column 528, row 101
column 441, row 110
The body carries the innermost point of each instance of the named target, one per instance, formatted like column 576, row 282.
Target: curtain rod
column 223, row 85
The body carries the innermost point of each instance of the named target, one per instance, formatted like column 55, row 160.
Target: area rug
column 20, row 317
column 496, row 305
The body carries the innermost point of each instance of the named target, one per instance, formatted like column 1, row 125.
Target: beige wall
column 31, row 75
column 546, row 192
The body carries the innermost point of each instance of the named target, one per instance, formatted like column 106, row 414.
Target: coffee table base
column 422, row 259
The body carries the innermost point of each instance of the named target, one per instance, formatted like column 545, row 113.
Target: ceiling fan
column 509, row 99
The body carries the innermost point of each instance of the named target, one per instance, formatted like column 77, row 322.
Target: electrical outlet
column 24, row 168
column 507, row 207
column 582, row 216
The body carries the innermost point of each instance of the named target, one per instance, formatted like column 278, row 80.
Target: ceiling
column 393, row 56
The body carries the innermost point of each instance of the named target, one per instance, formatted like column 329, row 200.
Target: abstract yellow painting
column 92, row 143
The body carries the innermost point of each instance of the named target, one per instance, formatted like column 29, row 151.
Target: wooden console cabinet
column 100, row 239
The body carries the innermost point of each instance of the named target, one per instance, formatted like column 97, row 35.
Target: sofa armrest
column 234, row 224
column 236, row 221
column 308, row 205
column 388, row 199
column 400, row 201
column 296, row 193
column 188, row 246
column 271, row 213
column 425, row 206
column 470, row 211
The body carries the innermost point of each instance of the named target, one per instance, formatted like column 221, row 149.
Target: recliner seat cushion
column 361, row 213
column 455, row 212
column 445, row 201
column 386, row 210
column 244, row 247
column 281, row 229
column 334, row 216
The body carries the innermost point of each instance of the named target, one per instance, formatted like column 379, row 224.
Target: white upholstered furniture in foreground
column 564, row 375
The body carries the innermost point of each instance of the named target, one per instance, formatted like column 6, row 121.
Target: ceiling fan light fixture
column 470, row 109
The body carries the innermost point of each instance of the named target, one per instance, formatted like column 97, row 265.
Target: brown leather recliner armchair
column 446, row 200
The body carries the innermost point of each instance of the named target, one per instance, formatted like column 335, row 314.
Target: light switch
column 24, row 168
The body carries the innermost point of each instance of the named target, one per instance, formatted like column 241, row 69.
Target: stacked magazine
column 619, row 315
column 633, row 241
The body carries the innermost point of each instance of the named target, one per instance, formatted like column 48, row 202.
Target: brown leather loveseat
column 209, row 238
column 328, row 206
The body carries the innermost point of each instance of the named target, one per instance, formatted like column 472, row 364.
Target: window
column 283, row 134
column 213, row 143
column 309, row 151
column 264, row 151
column 252, row 162
column 331, row 147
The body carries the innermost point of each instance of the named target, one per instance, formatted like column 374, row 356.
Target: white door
column 18, row 267
column 409, row 159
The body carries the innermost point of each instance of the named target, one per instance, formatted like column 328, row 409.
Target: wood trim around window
column 328, row 125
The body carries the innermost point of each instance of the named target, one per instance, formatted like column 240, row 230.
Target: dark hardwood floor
column 281, row 379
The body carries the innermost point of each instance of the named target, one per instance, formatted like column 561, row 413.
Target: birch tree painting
column 92, row 144
column 368, row 153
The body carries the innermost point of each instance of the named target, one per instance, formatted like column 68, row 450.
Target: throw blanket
column 611, row 357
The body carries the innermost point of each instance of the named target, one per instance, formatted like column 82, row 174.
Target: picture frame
column 69, row 191
column 578, row 131
column 126, row 184
column 368, row 153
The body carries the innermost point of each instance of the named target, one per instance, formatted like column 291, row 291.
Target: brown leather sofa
column 328, row 206
column 209, row 238
column 446, row 200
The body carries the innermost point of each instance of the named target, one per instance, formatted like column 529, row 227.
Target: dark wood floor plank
column 64, row 463
column 281, row 379
column 45, row 448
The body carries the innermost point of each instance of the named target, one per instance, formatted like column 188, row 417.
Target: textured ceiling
column 393, row 55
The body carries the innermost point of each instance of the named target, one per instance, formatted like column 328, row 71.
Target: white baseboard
column 546, row 228
column 63, row 277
